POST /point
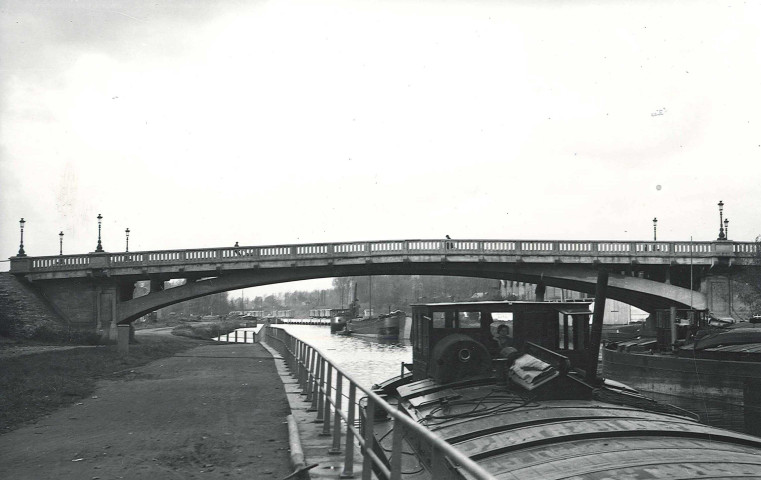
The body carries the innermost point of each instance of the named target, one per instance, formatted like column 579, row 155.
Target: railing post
column 303, row 364
column 310, row 375
column 369, row 425
column 289, row 348
column 315, row 385
column 336, row 450
column 236, row 336
column 320, row 392
column 348, row 471
column 436, row 461
column 299, row 368
column 326, row 414
column 396, row 450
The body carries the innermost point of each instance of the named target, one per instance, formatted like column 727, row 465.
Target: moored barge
column 711, row 367
column 529, row 408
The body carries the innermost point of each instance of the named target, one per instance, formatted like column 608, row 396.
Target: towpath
column 212, row 412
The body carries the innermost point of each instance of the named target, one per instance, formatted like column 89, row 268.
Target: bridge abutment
column 89, row 303
column 717, row 289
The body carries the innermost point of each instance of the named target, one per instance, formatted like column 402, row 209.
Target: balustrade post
column 369, row 425
column 336, row 450
column 320, row 393
column 326, row 414
column 236, row 336
column 348, row 471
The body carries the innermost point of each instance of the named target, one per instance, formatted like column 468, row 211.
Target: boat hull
column 724, row 393
column 337, row 324
column 379, row 328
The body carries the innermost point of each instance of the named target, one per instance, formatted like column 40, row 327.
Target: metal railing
column 315, row 374
column 240, row 337
column 332, row 251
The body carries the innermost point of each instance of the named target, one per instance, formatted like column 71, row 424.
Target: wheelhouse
column 562, row 327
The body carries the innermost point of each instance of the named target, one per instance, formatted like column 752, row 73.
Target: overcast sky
column 199, row 124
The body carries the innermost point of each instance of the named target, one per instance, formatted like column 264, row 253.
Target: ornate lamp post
column 655, row 229
column 99, row 248
column 21, row 252
column 127, row 232
column 726, row 228
column 60, row 243
column 722, row 236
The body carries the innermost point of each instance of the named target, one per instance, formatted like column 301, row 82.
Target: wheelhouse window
column 469, row 319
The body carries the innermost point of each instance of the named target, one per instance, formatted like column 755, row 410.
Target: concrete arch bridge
column 95, row 290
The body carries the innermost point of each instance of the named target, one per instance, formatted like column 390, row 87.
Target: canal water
column 368, row 362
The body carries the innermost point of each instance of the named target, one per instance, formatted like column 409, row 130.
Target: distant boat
column 383, row 327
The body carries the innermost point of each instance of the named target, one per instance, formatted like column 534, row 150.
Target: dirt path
column 216, row 411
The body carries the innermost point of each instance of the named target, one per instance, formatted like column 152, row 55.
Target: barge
column 530, row 406
column 710, row 366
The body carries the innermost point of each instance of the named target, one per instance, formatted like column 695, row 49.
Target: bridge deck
column 532, row 251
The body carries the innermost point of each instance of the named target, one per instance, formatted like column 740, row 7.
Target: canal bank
column 312, row 454
column 215, row 411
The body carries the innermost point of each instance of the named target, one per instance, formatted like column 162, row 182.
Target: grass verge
column 36, row 384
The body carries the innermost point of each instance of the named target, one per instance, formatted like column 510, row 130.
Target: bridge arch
column 642, row 293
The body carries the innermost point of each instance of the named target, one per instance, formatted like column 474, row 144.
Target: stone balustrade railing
column 531, row 250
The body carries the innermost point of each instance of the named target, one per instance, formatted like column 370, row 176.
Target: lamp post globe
column 99, row 248
column 21, row 252
column 60, row 243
